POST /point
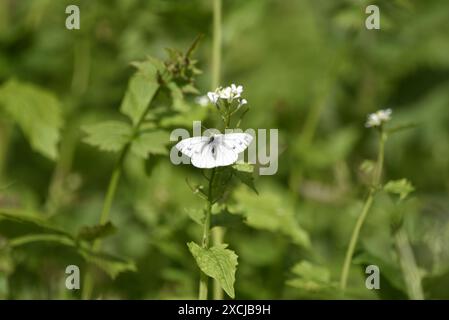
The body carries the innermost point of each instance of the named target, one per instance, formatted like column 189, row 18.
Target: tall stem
column 205, row 241
column 366, row 207
column 218, row 232
column 110, row 194
column 216, row 44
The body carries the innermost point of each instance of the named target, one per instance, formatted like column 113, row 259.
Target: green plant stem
column 408, row 264
column 353, row 241
column 110, row 194
column 206, row 236
column 362, row 217
column 218, row 232
column 216, row 44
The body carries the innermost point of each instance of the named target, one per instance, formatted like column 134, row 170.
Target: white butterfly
column 215, row 151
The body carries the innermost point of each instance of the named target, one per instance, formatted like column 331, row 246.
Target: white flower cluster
column 229, row 94
column 378, row 118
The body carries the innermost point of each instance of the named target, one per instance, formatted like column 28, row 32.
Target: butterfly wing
column 237, row 142
column 224, row 156
column 206, row 158
column 192, row 146
column 222, row 151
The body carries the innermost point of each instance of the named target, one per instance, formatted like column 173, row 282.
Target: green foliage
column 245, row 173
column 37, row 112
column 271, row 211
column 96, row 232
column 401, row 187
column 317, row 90
column 110, row 264
column 109, row 135
column 154, row 142
column 142, row 86
column 310, row 277
column 28, row 229
column 217, row 262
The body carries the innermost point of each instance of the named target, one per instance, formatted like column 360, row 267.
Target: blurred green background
column 310, row 69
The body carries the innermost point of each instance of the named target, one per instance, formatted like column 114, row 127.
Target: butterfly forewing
column 191, row 146
column 237, row 142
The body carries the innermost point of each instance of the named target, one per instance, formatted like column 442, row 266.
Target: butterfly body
column 215, row 151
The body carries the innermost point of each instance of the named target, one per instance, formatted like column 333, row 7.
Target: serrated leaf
column 154, row 142
column 108, row 135
column 401, row 187
column 142, row 86
column 313, row 279
column 37, row 112
column 90, row 233
column 245, row 173
column 217, row 262
column 307, row 270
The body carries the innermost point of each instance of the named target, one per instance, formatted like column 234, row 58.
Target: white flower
column 226, row 93
column 213, row 97
column 378, row 118
column 202, row 101
column 229, row 94
column 242, row 102
column 236, row 90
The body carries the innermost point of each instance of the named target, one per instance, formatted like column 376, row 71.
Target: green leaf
column 37, row 112
column 178, row 101
column 310, row 271
column 23, row 229
column 245, row 173
column 110, row 264
column 196, row 214
column 310, row 277
column 14, row 223
column 142, row 86
column 90, row 233
column 153, row 142
column 217, row 262
column 401, row 187
column 108, row 135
